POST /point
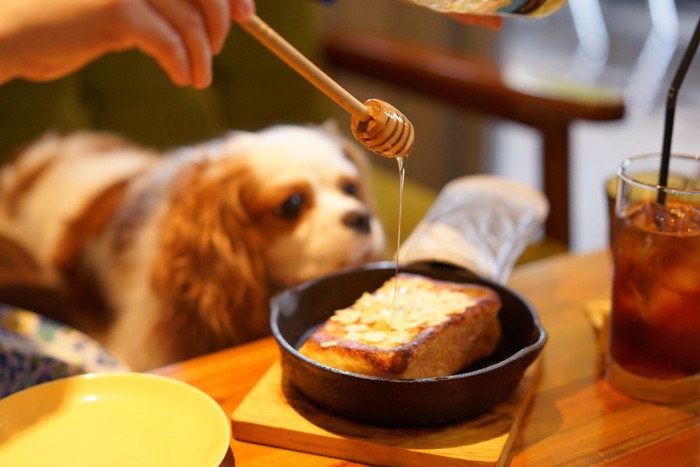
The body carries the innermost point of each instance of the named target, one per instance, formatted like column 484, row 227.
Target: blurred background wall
column 629, row 47
column 447, row 142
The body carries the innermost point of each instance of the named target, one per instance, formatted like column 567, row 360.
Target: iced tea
column 655, row 327
column 654, row 340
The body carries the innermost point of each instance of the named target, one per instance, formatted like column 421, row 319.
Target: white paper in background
column 481, row 223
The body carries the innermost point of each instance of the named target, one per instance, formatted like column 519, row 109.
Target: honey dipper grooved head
column 387, row 131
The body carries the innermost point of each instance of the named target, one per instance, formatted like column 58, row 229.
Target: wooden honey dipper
column 377, row 125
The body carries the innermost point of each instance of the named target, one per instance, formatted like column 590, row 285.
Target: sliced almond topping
column 356, row 328
column 386, row 319
column 375, row 336
column 347, row 317
column 368, row 319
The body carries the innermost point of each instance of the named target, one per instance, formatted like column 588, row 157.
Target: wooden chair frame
column 476, row 85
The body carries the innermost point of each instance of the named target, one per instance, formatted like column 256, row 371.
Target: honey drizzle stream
column 401, row 161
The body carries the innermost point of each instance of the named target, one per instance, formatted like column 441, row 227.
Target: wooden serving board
column 280, row 416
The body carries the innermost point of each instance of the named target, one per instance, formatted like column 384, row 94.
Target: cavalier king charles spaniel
column 163, row 257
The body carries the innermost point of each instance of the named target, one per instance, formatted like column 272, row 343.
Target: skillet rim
column 465, row 276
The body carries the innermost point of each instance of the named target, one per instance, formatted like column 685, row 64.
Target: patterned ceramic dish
column 35, row 349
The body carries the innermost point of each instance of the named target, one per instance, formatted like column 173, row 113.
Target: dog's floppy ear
column 210, row 273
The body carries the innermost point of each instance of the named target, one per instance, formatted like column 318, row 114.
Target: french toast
column 416, row 327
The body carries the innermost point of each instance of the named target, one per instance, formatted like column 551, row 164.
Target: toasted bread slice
column 416, row 327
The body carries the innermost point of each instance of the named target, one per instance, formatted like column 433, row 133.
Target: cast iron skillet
column 400, row 403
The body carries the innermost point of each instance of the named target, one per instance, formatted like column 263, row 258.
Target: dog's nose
column 358, row 221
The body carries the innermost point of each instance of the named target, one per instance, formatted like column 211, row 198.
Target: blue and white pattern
column 35, row 349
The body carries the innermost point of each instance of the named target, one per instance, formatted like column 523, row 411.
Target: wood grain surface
column 274, row 413
column 574, row 418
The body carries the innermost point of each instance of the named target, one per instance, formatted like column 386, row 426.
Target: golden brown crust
column 434, row 328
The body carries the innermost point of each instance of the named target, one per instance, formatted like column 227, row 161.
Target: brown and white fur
column 168, row 256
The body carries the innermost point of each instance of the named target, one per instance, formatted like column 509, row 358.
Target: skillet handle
column 479, row 223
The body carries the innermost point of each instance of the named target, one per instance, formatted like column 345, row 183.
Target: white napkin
column 481, row 223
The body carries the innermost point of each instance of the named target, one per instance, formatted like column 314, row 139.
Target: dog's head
column 261, row 211
column 304, row 194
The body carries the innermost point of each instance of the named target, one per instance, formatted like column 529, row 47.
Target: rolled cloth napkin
column 481, row 223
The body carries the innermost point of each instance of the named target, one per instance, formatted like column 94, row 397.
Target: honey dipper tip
column 386, row 132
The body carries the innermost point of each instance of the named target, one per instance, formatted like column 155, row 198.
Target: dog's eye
column 292, row 206
column 350, row 188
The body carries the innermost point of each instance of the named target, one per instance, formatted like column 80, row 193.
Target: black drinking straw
column 671, row 109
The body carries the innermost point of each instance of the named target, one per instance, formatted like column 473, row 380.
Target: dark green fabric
column 129, row 94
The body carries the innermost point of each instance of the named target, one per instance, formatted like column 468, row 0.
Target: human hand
column 486, row 21
column 42, row 40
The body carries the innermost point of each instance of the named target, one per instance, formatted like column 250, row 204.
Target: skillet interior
column 405, row 403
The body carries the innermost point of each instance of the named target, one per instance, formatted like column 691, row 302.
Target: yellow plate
column 112, row 419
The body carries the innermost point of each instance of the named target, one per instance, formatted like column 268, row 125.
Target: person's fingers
column 217, row 14
column 241, row 10
column 486, row 21
column 189, row 23
column 142, row 27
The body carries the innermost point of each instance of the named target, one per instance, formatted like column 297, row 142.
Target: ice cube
column 677, row 218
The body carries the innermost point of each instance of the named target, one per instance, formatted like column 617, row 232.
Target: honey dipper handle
column 295, row 59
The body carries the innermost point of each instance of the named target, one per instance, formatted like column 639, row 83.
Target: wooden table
column 575, row 418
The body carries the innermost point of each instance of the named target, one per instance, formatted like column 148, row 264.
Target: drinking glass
column 654, row 342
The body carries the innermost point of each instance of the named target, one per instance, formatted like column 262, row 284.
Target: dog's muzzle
column 359, row 221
